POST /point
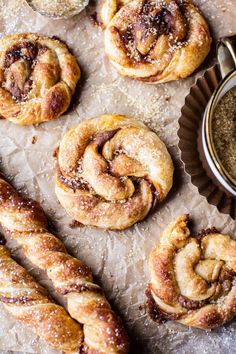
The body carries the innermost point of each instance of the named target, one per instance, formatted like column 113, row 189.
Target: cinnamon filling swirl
column 155, row 312
column 79, row 183
column 25, row 54
column 141, row 36
column 26, row 50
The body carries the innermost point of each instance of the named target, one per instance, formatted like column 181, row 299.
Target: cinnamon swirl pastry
column 154, row 40
column 193, row 279
column 111, row 171
column 38, row 76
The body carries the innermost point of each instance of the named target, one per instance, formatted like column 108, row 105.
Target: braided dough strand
column 38, row 76
column 193, row 280
column 27, row 301
column 155, row 41
column 26, row 223
column 111, row 170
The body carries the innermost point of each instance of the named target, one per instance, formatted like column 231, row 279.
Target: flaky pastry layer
column 155, row 41
column 38, row 76
column 111, row 171
column 193, row 279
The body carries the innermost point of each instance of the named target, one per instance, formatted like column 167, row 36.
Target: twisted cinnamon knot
column 27, row 301
column 155, row 40
column 193, row 280
column 111, row 171
column 25, row 221
column 38, row 76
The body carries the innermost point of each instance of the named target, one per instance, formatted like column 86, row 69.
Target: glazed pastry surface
column 111, row 171
column 155, row 41
column 27, row 301
column 192, row 279
column 38, row 76
column 24, row 220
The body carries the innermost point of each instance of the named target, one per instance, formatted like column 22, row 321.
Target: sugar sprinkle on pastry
column 111, row 171
column 192, row 279
column 154, row 41
column 38, row 76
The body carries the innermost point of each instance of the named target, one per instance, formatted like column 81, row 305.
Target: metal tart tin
column 226, row 52
column 195, row 135
column 57, row 17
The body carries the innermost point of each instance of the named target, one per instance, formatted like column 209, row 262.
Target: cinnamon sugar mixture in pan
column 224, row 131
column 58, row 8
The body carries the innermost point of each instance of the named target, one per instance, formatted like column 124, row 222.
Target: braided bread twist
column 155, row 41
column 111, row 172
column 26, row 223
column 38, row 76
column 193, row 280
column 27, row 301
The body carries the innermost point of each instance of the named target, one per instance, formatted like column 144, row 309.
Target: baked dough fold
column 155, row 41
column 192, row 279
column 38, row 76
column 111, row 171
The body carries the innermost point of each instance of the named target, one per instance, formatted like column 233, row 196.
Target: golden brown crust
column 110, row 172
column 27, row 301
column 155, row 41
column 26, row 223
column 38, row 76
column 193, row 280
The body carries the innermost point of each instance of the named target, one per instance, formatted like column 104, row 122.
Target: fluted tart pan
column 190, row 143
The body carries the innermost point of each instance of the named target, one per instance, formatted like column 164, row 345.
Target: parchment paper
column 118, row 259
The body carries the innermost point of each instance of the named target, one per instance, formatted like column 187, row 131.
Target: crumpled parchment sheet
column 118, row 259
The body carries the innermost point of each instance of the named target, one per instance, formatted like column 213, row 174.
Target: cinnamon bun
column 38, row 76
column 154, row 40
column 111, row 171
column 193, row 279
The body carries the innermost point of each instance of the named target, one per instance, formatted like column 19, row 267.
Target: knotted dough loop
column 155, row 40
column 111, row 170
column 38, row 76
column 193, row 280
